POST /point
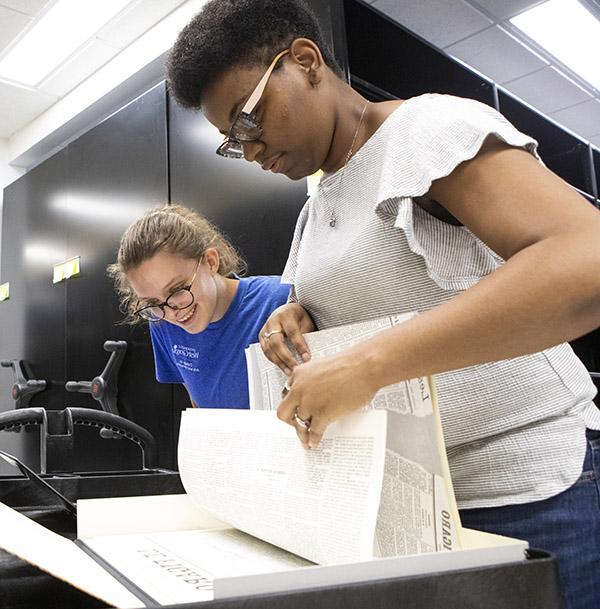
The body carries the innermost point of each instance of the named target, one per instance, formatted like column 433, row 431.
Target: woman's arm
column 548, row 291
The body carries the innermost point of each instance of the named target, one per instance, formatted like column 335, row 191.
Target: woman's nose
column 252, row 149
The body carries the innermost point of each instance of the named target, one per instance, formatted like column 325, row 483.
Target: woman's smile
column 188, row 317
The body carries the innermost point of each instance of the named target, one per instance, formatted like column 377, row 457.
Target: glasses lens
column 181, row 299
column 151, row 313
column 231, row 149
column 245, row 128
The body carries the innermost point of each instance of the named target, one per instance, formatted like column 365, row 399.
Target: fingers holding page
column 283, row 332
column 321, row 391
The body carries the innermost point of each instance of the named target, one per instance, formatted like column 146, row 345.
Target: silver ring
column 267, row 335
column 305, row 423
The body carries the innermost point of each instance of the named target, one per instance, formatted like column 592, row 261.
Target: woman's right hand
column 287, row 323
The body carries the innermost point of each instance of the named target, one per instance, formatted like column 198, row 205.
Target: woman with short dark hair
column 434, row 204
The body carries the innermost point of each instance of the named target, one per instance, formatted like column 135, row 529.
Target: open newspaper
column 262, row 514
column 416, row 508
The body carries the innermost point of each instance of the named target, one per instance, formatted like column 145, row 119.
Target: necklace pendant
column 332, row 220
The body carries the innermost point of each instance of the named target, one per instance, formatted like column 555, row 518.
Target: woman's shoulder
column 431, row 112
column 429, row 135
column 265, row 284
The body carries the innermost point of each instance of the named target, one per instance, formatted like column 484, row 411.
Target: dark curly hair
column 227, row 33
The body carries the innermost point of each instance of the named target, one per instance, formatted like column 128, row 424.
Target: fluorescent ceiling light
column 56, row 36
column 569, row 32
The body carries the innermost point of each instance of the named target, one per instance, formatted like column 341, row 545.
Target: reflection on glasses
column 39, row 482
column 245, row 127
column 182, row 298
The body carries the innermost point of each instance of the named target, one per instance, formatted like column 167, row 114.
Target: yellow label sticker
column 58, row 273
column 4, row 291
column 72, row 267
column 65, row 270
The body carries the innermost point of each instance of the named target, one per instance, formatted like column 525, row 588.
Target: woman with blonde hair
column 175, row 270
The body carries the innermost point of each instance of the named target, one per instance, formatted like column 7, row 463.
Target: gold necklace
column 332, row 217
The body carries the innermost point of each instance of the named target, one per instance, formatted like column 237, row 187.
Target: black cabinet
column 388, row 61
column 596, row 170
column 116, row 172
column 330, row 14
column 32, row 321
column 563, row 153
column 78, row 203
column 384, row 56
column 44, row 301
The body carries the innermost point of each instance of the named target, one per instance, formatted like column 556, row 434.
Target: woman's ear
column 307, row 56
column 212, row 259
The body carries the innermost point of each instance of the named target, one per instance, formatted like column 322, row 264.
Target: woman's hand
column 287, row 322
column 320, row 391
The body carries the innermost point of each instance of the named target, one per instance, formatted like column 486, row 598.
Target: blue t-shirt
column 212, row 363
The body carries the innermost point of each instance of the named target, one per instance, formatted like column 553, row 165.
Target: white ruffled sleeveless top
column 514, row 429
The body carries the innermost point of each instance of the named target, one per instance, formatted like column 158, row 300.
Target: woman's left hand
column 321, row 391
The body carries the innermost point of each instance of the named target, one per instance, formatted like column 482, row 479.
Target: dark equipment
column 24, row 387
column 103, row 387
column 58, row 428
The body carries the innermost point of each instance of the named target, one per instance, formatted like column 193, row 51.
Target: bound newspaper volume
column 374, row 500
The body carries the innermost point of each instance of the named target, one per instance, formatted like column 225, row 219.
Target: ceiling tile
column 440, row 22
column 89, row 59
column 11, row 24
column 136, row 20
column 496, row 55
column 583, row 119
column 548, row 90
column 504, row 9
column 28, row 7
column 595, row 139
column 20, row 106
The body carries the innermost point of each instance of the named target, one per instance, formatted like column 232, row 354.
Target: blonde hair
column 174, row 229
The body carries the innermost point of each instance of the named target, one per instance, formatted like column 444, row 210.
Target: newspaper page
column 418, row 510
column 171, row 549
column 249, row 469
column 182, row 566
column 265, row 380
column 60, row 557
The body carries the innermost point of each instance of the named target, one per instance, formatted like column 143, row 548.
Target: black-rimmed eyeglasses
column 245, row 127
column 181, row 298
